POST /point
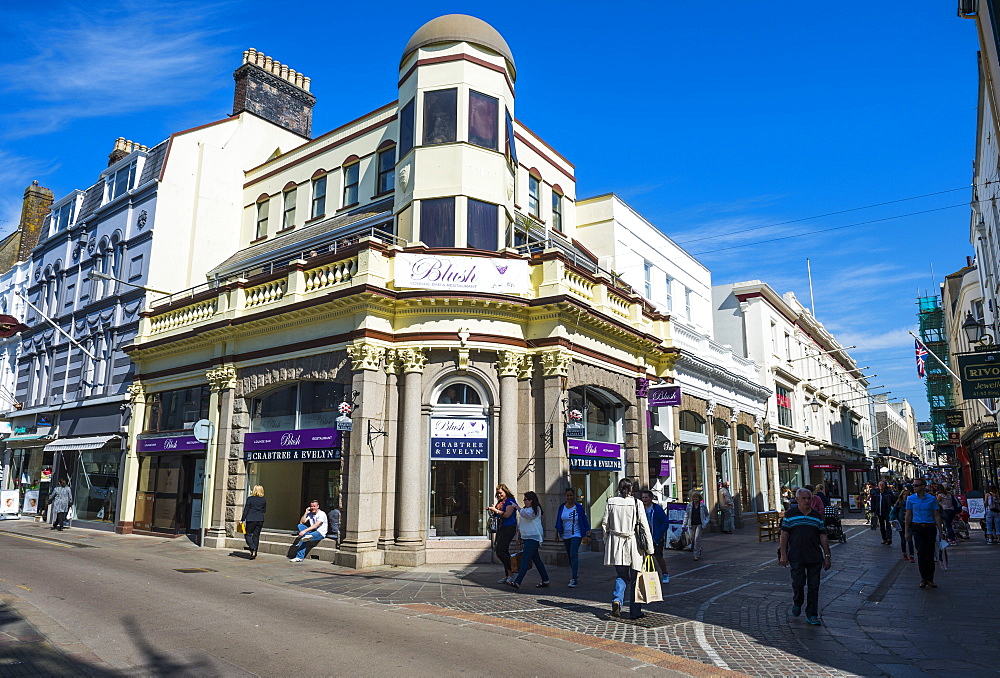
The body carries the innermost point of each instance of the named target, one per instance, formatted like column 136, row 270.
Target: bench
column 768, row 525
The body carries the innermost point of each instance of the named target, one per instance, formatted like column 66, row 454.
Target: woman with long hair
column 504, row 510
column 622, row 519
column 572, row 525
column 253, row 518
column 896, row 517
column 696, row 519
column 532, row 530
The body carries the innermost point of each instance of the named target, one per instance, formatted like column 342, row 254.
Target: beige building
column 417, row 273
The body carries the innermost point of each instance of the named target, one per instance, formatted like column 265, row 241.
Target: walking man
column 805, row 547
column 882, row 499
column 658, row 525
column 923, row 523
column 726, row 506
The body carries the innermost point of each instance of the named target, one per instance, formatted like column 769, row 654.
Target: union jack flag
column 921, row 359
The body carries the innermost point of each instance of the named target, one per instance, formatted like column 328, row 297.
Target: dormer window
column 63, row 216
column 121, row 182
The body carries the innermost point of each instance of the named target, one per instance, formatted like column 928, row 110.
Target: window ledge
column 383, row 194
column 285, row 230
column 347, row 207
column 315, row 218
column 260, row 239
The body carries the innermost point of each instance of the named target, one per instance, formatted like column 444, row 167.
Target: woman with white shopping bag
column 625, row 526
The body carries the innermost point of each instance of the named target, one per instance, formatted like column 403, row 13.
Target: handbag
column 241, row 527
column 647, row 583
column 494, row 523
column 640, row 534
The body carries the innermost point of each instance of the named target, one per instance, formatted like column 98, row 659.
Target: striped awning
column 83, row 443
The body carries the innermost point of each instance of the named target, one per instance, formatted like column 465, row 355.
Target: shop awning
column 88, row 443
column 28, row 440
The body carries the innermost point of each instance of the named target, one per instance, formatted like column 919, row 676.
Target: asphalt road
column 132, row 608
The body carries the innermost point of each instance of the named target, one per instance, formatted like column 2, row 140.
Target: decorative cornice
column 556, row 363
column 365, row 355
column 221, row 378
column 716, row 373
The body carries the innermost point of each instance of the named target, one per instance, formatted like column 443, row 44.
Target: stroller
column 834, row 525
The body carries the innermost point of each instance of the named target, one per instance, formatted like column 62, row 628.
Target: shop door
column 167, row 494
column 593, row 491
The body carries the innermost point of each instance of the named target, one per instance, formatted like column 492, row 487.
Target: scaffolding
column 940, row 396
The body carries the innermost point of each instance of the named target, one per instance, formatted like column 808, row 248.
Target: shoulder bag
column 640, row 534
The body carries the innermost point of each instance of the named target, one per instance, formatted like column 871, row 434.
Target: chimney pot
column 268, row 63
column 305, row 83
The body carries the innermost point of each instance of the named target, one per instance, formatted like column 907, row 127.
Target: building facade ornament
column 412, row 359
column 136, row 392
column 391, row 361
column 734, row 415
column 510, row 363
column 365, row 356
column 221, row 378
column 556, row 363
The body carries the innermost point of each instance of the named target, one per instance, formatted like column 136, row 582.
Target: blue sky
column 710, row 119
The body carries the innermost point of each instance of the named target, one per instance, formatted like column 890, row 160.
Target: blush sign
column 459, row 439
column 185, row 443
column 469, row 274
column 303, row 439
column 664, row 396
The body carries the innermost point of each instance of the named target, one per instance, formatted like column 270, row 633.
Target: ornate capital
column 734, row 415
column 136, row 392
column 221, row 377
column 710, row 407
column 365, row 356
column 413, row 359
column 758, row 422
column 391, row 361
column 527, row 367
column 556, row 363
column 510, row 363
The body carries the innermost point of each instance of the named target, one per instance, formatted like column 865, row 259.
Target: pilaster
column 130, row 473
column 221, row 382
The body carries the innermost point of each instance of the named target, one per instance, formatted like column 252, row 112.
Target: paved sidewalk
column 729, row 611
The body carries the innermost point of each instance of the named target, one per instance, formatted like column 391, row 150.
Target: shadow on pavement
column 23, row 652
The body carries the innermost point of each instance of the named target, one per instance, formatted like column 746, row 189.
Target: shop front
column 746, row 451
column 856, row 478
column 831, row 476
column 169, row 493
column 693, row 450
column 91, row 465
column 28, row 472
column 790, row 471
column 595, row 459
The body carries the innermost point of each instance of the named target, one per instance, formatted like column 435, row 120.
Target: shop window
column 534, row 193
column 178, row 409
column 783, row 397
column 459, row 394
column 288, row 212
column 440, row 115
column 262, row 210
column 437, row 222
column 482, row 225
column 309, row 404
column 483, row 113
column 690, row 421
column 744, row 434
column 406, row 129
column 318, row 197
column 557, row 220
column 352, row 174
column 600, row 413
column 386, row 171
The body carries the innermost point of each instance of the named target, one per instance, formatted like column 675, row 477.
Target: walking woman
column 253, row 518
column 993, row 516
column 529, row 524
column 572, row 525
column 60, row 501
column 504, row 510
column 897, row 519
column 622, row 519
column 695, row 521
column 949, row 508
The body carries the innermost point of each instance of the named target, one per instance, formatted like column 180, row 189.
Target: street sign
column 203, row 430
column 980, row 375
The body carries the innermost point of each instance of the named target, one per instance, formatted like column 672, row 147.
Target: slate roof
column 155, row 158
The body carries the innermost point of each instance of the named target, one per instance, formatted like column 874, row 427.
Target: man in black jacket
column 882, row 499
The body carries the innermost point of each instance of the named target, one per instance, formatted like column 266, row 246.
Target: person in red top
column 816, row 503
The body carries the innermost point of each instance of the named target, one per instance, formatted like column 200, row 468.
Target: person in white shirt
column 529, row 524
column 312, row 528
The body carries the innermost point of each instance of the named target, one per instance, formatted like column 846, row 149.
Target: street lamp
column 975, row 331
column 97, row 275
column 815, row 405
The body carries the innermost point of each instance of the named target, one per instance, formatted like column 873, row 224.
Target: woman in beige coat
column 621, row 516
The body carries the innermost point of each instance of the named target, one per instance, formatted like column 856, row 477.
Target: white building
column 712, row 432
column 819, row 416
column 900, row 446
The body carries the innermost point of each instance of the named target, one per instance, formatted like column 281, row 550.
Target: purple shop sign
column 593, row 448
column 303, row 439
column 664, row 396
column 185, row 443
column 664, row 468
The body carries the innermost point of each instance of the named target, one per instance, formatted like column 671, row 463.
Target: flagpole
column 936, row 357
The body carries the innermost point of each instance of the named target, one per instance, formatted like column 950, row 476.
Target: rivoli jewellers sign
column 459, row 439
column 470, row 274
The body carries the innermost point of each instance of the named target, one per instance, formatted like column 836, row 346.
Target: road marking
column 42, row 541
column 693, row 590
column 681, row 574
column 22, row 587
column 699, row 632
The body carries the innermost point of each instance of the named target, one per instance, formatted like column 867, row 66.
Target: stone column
column 130, row 472
column 550, row 464
column 711, row 490
column 509, row 365
column 387, row 537
column 736, row 460
column 221, row 382
column 411, row 465
column 362, row 511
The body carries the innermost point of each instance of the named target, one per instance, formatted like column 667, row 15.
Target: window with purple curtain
column 440, row 116
column 483, row 123
column 482, row 225
column 437, row 222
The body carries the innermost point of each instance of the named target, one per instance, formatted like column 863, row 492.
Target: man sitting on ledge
column 312, row 528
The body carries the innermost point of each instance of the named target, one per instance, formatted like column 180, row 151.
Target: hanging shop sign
column 594, row 455
column 470, row 274
column 464, row 439
column 954, row 418
column 312, row 444
column 184, row 443
column 664, row 468
column 768, row 450
column 980, row 373
column 664, row 396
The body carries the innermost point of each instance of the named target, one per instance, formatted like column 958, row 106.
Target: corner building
column 421, row 267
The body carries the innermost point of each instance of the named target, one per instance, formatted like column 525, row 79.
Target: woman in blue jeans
column 572, row 525
column 529, row 524
column 896, row 518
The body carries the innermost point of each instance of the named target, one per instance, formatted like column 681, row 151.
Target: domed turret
column 460, row 28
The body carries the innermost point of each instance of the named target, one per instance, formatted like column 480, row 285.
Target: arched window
column 721, row 427
column 690, row 421
column 459, row 393
column 744, row 434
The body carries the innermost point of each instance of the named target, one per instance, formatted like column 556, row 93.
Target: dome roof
column 459, row 28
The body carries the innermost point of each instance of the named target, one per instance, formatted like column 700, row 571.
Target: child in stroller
column 960, row 524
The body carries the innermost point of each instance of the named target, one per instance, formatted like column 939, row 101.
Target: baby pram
column 834, row 525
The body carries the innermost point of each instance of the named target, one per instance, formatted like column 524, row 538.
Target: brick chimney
column 122, row 148
column 273, row 91
column 34, row 209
